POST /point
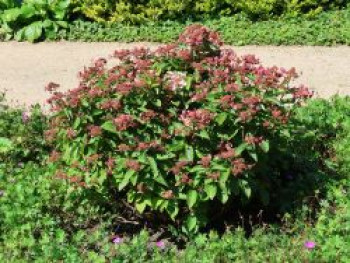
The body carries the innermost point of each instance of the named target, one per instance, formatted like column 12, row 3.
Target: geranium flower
column 160, row 244
column 310, row 245
column 117, row 240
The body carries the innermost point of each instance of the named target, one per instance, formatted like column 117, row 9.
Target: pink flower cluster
column 177, row 80
column 197, row 35
column 123, row 122
column 197, row 118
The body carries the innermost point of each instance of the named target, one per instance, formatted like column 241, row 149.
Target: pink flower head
column 51, row 87
column 123, row 122
column 94, row 131
column 117, row 240
column 310, row 245
column 133, row 165
column 177, row 80
column 302, row 92
column 200, row 117
column 160, row 244
column 197, row 35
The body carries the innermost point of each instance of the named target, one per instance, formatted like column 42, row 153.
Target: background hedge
column 138, row 11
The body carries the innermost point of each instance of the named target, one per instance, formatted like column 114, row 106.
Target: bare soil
column 25, row 68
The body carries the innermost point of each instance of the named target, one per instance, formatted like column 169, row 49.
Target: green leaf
column 28, row 11
column 265, row 146
column 11, row 15
column 126, row 179
column 60, row 235
column 204, row 134
column 223, row 197
column 19, row 36
column 211, row 190
column 158, row 177
column 62, row 24
column 173, row 210
column 33, row 31
column 254, row 156
column 5, row 145
column 241, row 148
column 189, row 153
column 191, row 198
column 191, row 222
column 221, row 118
column 224, row 176
column 140, row 207
column 154, row 166
column 47, row 23
column 109, row 126
column 158, row 103
column 246, row 188
column 248, row 192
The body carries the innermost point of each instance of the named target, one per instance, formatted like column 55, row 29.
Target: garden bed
column 184, row 153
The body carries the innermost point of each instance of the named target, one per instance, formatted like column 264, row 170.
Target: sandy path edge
column 26, row 68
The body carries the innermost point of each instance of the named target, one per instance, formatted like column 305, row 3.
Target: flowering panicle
column 94, row 131
column 176, row 80
column 123, row 122
column 133, row 165
column 197, row 118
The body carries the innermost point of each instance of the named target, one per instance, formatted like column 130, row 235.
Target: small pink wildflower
column 117, row 240
column 160, row 244
column 310, row 245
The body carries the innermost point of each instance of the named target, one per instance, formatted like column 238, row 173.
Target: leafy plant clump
column 21, row 135
column 34, row 19
column 174, row 130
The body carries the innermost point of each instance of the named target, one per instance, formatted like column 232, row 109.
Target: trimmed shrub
column 176, row 129
column 157, row 10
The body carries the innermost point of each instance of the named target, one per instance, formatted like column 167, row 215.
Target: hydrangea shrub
column 175, row 128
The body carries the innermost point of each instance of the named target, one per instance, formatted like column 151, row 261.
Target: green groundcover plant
column 175, row 129
column 327, row 28
column 22, row 134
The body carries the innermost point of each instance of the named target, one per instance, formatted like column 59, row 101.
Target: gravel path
column 26, row 68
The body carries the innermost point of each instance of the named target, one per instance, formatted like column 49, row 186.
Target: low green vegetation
column 330, row 28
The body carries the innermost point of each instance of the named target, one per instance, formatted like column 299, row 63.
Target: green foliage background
column 158, row 10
